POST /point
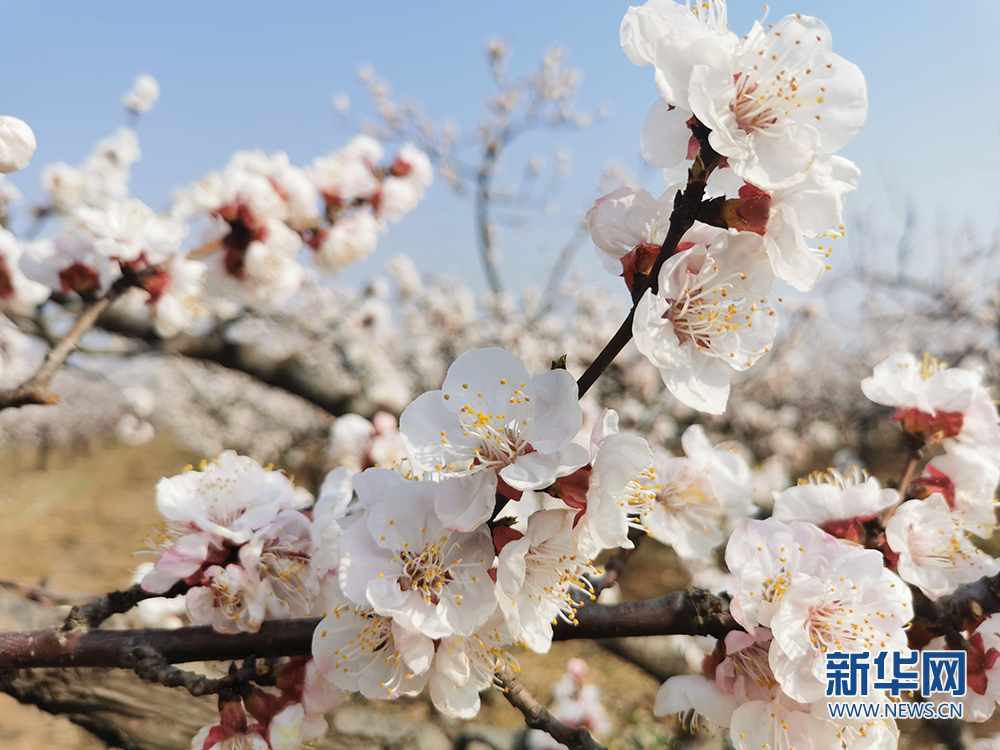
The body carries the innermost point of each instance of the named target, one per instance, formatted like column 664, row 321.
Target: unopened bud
column 639, row 262
column 748, row 213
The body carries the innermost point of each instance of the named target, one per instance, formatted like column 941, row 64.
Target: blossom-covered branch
column 646, row 266
column 469, row 528
column 690, row 613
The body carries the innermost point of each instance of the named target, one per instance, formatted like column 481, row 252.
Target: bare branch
column 692, row 612
column 487, row 252
column 914, row 451
column 116, row 602
column 967, row 605
column 152, row 667
column 37, row 389
column 537, row 716
column 45, row 595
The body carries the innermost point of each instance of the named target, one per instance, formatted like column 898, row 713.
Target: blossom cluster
column 829, row 572
column 477, row 531
column 471, row 527
column 951, row 408
column 285, row 716
column 258, row 214
column 773, row 107
column 798, row 593
column 261, row 209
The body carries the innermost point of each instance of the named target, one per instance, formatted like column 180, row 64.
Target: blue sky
column 252, row 74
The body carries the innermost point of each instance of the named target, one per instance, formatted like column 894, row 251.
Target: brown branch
column 114, row 603
column 37, row 389
column 914, row 450
column 607, row 355
column 54, row 647
column 693, row 612
column 203, row 250
column 537, row 717
column 152, row 667
column 686, row 206
column 953, row 612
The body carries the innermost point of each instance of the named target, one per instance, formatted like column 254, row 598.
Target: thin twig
column 152, row 667
column 682, row 218
column 914, row 450
column 487, row 252
column 45, row 595
column 607, row 355
column 203, row 250
column 114, row 603
column 37, row 389
column 537, row 717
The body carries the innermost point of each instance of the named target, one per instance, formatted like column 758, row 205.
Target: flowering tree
column 444, row 542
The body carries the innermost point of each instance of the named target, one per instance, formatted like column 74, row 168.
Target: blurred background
column 256, row 75
column 917, row 269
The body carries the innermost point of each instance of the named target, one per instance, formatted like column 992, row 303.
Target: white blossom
column 71, row 263
column 804, row 213
column 403, row 188
column 855, row 605
column 464, row 666
column 132, row 430
column 540, row 578
column 934, row 550
column 127, row 229
column 103, row 178
column 923, row 385
column 772, row 103
column 294, row 729
column 968, row 480
column 18, row 293
column 176, row 306
column 280, row 557
column 17, row 144
column 346, row 175
column 708, row 317
column 143, row 94
column 360, row 651
column 226, row 502
column 626, row 219
column 699, row 497
column 620, row 484
column 400, row 560
column 766, row 558
column 831, row 496
column 493, row 422
column 232, row 599
column 351, row 239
